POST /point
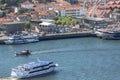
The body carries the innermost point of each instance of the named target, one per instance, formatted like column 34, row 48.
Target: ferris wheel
column 94, row 7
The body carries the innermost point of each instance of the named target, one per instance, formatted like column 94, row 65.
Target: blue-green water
column 78, row 58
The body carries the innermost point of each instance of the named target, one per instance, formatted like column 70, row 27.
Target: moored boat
column 108, row 34
column 33, row 69
column 22, row 39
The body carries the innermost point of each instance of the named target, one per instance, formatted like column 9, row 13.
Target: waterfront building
column 47, row 27
column 74, row 10
column 95, row 23
column 35, row 24
column 12, row 27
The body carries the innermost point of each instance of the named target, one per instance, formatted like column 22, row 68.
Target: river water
column 78, row 58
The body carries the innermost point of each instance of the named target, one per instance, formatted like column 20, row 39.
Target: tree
column 74, row 22
column 117, row 10
column 2, row 14
column 21, row 11
column 27, row 25
column 67, row 20
column 57, row 22
column 4, row 6
column 2, row 1
column 55, row 18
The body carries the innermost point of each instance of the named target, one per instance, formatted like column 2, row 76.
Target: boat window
column 43, row 65
column 27, row 69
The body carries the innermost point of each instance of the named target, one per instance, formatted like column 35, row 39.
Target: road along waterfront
column 78, row 59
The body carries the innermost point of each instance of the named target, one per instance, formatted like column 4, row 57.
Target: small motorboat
column 24, row 52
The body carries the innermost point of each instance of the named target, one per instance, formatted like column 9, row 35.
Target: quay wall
column 2, row 42
column 66, row 35
column 59, row 36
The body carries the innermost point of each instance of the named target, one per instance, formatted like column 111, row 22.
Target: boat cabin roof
column 34, row 64
column 37, row 63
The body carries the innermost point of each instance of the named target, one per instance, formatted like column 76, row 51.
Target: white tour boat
column 33, row 69
column 22, row 39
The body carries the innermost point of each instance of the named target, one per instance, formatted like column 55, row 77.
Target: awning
column 47, row 24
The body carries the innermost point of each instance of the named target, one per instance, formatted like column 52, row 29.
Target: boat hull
column 108, row 35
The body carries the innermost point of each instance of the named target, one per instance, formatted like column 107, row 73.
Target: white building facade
column 74, row 12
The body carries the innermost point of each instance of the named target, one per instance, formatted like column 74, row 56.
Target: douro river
column 78, row 58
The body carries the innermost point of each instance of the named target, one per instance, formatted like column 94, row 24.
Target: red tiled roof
column 62, row 2
column 3, row 20
column 118, row 2
column 11, row 14
column 22, row 15
column 111, row 3
column 37, row 9
column 72, row 7
column 42, row 12
column 34, row 16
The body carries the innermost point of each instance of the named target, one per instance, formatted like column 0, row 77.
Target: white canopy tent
column 46, row 24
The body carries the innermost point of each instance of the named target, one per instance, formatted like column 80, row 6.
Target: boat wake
column 62, row 50
column 51, row 51
column 8, row 78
